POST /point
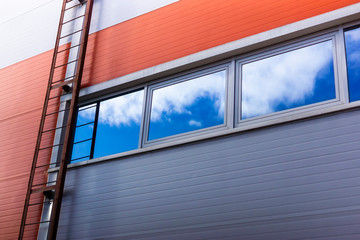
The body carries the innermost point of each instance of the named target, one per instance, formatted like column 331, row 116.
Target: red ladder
column 41, row 190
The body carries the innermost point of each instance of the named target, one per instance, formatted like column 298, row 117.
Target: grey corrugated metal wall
column 293, row 181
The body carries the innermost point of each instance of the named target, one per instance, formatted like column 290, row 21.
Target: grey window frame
column 299, row 43
column 97, row 102
column 228, row 110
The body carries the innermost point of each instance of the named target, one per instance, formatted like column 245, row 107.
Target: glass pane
column 187, row 106
column 352, row 42
column 288, row 80
column 81, row 151
column 119, row 124
column 83, row 132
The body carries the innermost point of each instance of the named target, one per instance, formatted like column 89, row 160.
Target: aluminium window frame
column 312, row 39
column 226, row 65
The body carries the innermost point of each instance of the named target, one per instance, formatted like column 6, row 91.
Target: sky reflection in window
column 352, row 43
column 288, row 80
column 188, row 106
column 83, row 133
column 119, row 124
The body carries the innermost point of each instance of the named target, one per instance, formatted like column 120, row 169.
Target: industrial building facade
column 197, row 120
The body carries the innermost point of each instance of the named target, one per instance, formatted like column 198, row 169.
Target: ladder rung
column 39, row 184
column 43, row 189
column 61, row 84
column 56, row 145
column 63, row 79
column 34, row 204
column 53, row 129
column 77, row 45
column 73, row 19
column 45, row 165
column 66, row 63
column 74, row 6
column 66, row 109
column 36, row 223
column 71, row 34
column 58, row 96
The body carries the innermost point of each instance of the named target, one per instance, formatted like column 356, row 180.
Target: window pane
column 83, row 133
column 119, row 124
column 187, row 106
column 288, row 80
column 352, row 42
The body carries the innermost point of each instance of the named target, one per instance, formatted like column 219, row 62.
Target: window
column 84, row 133
column 118, row 125
column 108, row 127
column 188, row 105
column 270, row 86
column 352, row 44
column 291, row 78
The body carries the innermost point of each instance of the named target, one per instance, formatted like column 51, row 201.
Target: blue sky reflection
column 84, row 131
column 352, row 42
column 288, row 80
column 119, row 124
column 187, row 106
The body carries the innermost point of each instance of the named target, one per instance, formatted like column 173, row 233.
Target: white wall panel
column 34, row 31
column 107, row 13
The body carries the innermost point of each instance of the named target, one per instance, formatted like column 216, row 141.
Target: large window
column 281, row 83
column 118, row 124
column 108, row 127
column 187, row 105
column 288, row 79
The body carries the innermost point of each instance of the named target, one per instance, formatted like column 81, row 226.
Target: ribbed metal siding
column 293, row 181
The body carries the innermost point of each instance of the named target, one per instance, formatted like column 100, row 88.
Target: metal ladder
column 41, row 189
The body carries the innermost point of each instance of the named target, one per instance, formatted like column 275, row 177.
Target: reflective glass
column 118, row 125
column 288, row 80
column 83, row 133
column 186, row 106
column 352, row 43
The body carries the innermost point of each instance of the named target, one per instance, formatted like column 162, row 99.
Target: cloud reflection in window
column 188, row 106
column 292, row 79
column 119, row 124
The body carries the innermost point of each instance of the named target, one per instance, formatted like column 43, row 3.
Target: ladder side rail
column 65, row 155
column 41, row 128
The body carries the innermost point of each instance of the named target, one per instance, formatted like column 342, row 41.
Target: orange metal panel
column 23, row 88
column 186, row 27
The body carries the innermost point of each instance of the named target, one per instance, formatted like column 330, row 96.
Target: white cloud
column 195, row 123
column 287, row 78
column 122, row 110
column 175, row 98
column 353, row 34
column 352, row 40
